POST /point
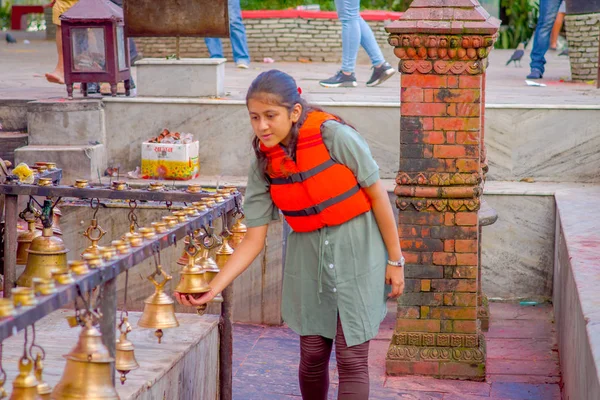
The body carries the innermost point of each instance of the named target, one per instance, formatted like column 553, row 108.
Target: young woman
column 319, row 173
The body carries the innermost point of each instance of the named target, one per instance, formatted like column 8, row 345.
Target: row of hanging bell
column 193, row 279
column 45, row 253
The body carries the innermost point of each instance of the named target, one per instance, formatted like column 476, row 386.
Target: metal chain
column 124, row 311
column 34, row 344
column 132, row 217
column 25, row 344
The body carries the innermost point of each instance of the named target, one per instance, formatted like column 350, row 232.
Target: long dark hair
column 280, row 89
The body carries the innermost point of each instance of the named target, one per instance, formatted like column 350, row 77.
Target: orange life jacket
column 314, row 191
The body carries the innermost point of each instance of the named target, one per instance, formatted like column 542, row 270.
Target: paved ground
column 22, row 69
column 522, row 362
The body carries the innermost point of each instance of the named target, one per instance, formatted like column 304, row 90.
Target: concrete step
column 76, row 161
column 9, row 141
column 184, row 366
column 13, row 115
column 75, row 122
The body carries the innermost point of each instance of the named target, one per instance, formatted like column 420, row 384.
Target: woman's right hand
column 189, row 300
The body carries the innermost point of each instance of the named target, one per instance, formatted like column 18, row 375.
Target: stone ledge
column 576, row 297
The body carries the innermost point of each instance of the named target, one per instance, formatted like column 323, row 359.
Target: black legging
column 352, row 362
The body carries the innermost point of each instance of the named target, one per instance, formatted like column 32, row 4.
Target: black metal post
column 10, row 243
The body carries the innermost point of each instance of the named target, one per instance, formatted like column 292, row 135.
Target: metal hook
column 124, row 311
column 34, row 344
column 95, row 207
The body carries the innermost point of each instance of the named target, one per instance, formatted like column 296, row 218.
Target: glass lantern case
column 94, row 46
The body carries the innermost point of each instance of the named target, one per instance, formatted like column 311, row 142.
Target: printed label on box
column 170, row 161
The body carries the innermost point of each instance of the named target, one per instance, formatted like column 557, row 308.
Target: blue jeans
column 356, row 32
column 237, row 34
column 541, row 39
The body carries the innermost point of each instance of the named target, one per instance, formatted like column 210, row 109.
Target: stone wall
column 583, row 32
column 282, row 39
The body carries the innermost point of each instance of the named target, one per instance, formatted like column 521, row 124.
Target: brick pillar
column 442, row 46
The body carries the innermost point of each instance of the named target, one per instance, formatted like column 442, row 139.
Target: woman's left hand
column 395, row 276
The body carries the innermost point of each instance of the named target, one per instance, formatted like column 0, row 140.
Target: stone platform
column 184, row 366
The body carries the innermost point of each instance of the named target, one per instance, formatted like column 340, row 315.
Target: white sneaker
column 242, row 65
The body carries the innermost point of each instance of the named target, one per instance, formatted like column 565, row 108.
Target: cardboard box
column 170, row 161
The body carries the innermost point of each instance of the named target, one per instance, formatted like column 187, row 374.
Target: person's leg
column 313, row 372
column 369, row 43
column 560, row 18
column 349, row 16
column 541, row 40
column 237, row 34
column 215, row 47
column 58, row 75
column 353, row 368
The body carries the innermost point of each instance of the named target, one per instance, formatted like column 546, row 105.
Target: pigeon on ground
column 10, row 38
column 517, row 55
column 565, row 52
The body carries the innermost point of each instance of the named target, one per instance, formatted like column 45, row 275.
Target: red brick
column 397, row 367
column 454, row 369
column 453, row 232
column 420, row 218
column 466, row 138
column 456, row 313
column 408, row 312
column 456, row 123
column 425, row 231
column 448, row 300
column 466, row 258
column 450, row 137
column 418, row 325
column 466, row 218
column 424, row 312
column 451, row 109
column 465, row 326
column 454, row 285
column 425, row 287
column 449, row 218
column 423, row 81
column 409, row 231
column 467, row 165
column 423, row 109
column 467, row 110
column 427, row 124
column 427, row 151
column 446, row 326
column 465, row 272
column 449, row 246
column 452, row 81
column 411, row 257
column 466, row 246
column 411, row 95
column 428, row 95
column 433, row 137
column 463, row 299
column 457, row 95
column 421, row 244
column 454, row 151
column 470, row 82
column 442, row 258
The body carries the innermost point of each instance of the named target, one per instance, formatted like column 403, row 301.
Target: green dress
column 338, row 269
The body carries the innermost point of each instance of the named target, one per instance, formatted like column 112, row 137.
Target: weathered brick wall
column 282, row 39
column 583, row 32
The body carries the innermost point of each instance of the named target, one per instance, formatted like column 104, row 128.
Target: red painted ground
column 522, row 362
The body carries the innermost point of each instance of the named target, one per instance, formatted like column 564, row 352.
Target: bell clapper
column 159, row 334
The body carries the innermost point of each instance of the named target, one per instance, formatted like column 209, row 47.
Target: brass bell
column 172, row 221
column 43, row 389
column 24, row 241
column 93, row 261
column 238, row 231
column 223, row 253
column 211, row 269
column 47, row 252
column 125, row 358
column 78, row 267
column 89, row 233
column 193, row 279
column 87, row 374
column 122, row 246
column 159, row 308
column 25, row 384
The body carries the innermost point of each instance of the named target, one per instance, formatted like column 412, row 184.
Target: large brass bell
column 87, row 374
column 238, row 231
column 24, row 241
column 25, row 384
column 125, row 358
column 159, row 308
column 44, row 390
column 46, row 253
column 193, row 279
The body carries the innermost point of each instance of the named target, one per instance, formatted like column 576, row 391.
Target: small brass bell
column 124, row 354
column 238, row 231
column 87, row 374
column 89, row 233
column 193, row 279
column 43, row 388
column 46, row 253
column 24, row 241
column 211, row 269
column 159, row 308
column 223, row 253
column 25, row 384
